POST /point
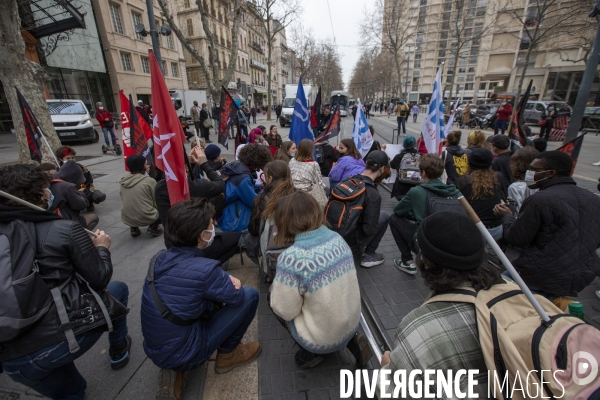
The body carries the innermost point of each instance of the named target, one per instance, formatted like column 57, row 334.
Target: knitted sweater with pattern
column 316, row 289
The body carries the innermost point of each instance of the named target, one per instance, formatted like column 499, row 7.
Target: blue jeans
column 401, row 124
column 51, row 371
column 500, row 125
column 112, row 135
column 225, row 330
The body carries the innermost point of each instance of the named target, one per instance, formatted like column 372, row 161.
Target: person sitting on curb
column 558, row 229
column 455, row 157
column 137, row 196
column 67, row 193
column 40, row 355
column 444, row 335
column 412, row 209
column 409, row 153
column 315, row 293
column 202, row 308
column 349, row 163
column 66, row 153
column 373, row 222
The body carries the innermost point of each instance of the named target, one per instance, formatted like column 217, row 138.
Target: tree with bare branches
column 30, row 78
column 386, row 26
column 303, row 41
column 544, row 24
column 210, row 69
column 275, row 16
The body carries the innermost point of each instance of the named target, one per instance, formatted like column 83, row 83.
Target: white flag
column 433, row 124
column 361, row 134
column 448, row 127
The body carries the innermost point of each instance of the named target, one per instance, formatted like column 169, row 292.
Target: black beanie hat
column 136, row 163
column 480, row 158
column 451, row 240
column 501, row 141
column 212, row 151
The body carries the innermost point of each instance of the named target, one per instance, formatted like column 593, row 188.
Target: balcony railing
column 258, row 47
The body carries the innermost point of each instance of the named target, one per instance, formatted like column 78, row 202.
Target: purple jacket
column 346, row 167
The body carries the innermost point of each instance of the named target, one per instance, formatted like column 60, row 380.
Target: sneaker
column 409, row 268
column 596, row 163
column 135, row 231
column 171, row 384
column 119, row 355
column 241, row 355
column 305, row 359
column 154, row 232
column 359, row 347
column 371, row 260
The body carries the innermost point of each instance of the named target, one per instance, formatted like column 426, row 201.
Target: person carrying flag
column 324, row 118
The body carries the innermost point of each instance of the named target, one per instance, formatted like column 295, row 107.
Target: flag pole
column 48, row 144
column 33, row 206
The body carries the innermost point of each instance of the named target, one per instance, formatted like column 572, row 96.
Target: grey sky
column 345, row 15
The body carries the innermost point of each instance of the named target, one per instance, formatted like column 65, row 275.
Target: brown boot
column 171, row 384
column 242, row 355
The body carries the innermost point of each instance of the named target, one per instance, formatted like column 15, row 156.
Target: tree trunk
column 29, row 78
column 398, row 64
column 456, row 56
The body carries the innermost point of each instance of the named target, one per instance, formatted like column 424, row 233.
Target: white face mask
column 100, row 108
column 530, row 175
column 212, row 236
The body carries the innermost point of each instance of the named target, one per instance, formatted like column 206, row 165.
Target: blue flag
column 361, row 135
column 300, row 126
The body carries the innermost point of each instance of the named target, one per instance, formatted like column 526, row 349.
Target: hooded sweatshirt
column 68, row 200
column 456, row 162
column 346, row 167
column 239, row 197
column 139, row 205
column 414, row 205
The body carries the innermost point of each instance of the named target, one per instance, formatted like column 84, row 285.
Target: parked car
column 591, row 119
column 535, row 109
column 483, row 110
column 72, row 121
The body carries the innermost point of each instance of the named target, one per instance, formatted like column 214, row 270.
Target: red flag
column 517, row 134
column 168, row 136
column 31, row 129
column 135, row 131
column 315, row 111
column 227, row 117
column 333, row 129
column 572, row 149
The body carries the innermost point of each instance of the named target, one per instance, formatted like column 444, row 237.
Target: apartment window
column 115, row 16
column 483, row 3
column 170, row 42
column 446, row 25
column 451, row 62
column 186, row 3
column 461, row 79
column 482, row 86
column 473, row 60
column 414, row 88
column 480, row 12
column 137, row 19
column 446, row 16
column 474, row 51
column 415, row 81
column 416, row 72
column 159, row 35
column 145, row 64
column 447, row 6
column 450, row 70
column 420, row 37
column 418, row 64
column 418, row 56
column 423, row 11
column 468, row 86
column 174, row 70
column 493, row 85
column 440, row 61
column 462, row 70
column 421, row 20
column 443, row 44
column 449, row 79
column 190, row 27
column 478, row 21
column 126, row 62
column 423, row 2
column 470, row 78
column 471, row 70
column 419, row 47
column 164, row 67
column 444, row 35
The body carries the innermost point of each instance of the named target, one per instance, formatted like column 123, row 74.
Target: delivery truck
column 287, row 108
column 183, row 100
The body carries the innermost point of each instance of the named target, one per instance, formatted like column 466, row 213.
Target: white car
column 72, row 121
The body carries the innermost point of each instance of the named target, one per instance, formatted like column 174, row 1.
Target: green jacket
column 137, row 196
column 414, row 205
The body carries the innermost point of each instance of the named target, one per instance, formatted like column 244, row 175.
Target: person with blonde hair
column 476, row 139
column 306, row 173
column 315, row 294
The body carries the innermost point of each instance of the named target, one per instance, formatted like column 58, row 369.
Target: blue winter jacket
column 346, row 167
column 186, row 283
column 239, row 197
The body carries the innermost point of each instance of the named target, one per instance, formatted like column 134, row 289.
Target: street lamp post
column 407, row 69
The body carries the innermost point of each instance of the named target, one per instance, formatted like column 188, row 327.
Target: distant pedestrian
column 389, row 109
column 195, row 113
column 145, row 111
column 401, row 111
column 204, row 115
column 106, row 123
column 278, row 111
column 503, row 117
column 253, row 113
column 216, row 115
column 415, row 111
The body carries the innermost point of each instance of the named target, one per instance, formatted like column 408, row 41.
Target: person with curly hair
column 240, row 192
column 40, row 356
column 519, row 164
column 484, row 188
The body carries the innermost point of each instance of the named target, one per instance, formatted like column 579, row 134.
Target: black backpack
column 437, row 203
column 345, row 206
column 25, row 298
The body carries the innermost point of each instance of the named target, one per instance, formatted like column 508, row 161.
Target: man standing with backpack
column 415, row 206
column 355, row 210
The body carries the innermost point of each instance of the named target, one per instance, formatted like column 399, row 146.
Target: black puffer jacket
column 559, row 229
column 62, row 249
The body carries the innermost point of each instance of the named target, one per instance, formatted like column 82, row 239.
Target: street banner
column 448, row 127
column 315, row 111
column 432, row 128
column 572, row 149
column 32, row 132
column 227, row 117
column 168, row 136
column 135, row 131
column 333, row 128
column 300, row 126
column 517, row 135
column 361, row 135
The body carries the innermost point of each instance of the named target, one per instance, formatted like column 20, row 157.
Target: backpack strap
column 162, row 309
column 461, row 295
